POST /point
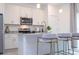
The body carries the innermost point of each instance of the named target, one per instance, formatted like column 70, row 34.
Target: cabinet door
column 38, row 16
column 10, row 41
column 25, row 12
column 15, row 40
column 12, row 14
column 35, row 17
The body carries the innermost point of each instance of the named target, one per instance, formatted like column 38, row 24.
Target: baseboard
column 11, row 48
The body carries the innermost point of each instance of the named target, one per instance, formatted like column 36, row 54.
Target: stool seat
column 64, row 35
column 48, row 37
column 75, row 34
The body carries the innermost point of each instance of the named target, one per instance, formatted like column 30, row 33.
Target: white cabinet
column 35, row 17
column 38, row 16
column 25, row 12
column 2, row 7
column 11, row 41
column 12, row 14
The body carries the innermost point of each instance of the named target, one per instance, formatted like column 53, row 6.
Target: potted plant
column 49, row 28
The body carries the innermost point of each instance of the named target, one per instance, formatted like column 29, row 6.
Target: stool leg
column 68, row 45
column 63, row 46
column 54, row 47
column 51, row 48
column 37, row 45
column 57, row 48
column 72, row 43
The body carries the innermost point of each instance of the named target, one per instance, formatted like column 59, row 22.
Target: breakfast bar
column 27, row 44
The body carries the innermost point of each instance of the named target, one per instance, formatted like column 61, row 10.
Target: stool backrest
column 75, row 34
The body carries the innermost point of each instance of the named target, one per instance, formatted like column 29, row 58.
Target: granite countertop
column 12, row 32
column 16, row 32
column 30, row 34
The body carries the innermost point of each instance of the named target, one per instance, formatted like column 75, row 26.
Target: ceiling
column 43, row 5
column 33, row 5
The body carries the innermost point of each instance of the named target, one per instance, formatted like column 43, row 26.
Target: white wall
column 60, row 22
column 77, row 17
column 64, row 18
column 52, row 10
column 52, row 17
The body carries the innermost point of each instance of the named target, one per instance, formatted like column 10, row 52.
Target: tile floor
column 15, row 52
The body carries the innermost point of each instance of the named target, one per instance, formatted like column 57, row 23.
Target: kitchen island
column 27, row 44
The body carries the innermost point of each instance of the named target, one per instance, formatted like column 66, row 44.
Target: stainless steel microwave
column 26, row 21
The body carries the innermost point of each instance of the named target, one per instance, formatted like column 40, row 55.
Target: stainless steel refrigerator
column 1, row 33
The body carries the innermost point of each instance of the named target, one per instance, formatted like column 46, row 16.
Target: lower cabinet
column 11, row 41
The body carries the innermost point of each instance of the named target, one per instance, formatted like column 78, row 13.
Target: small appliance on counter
column 7, row 29
column 24, row 29
column 31, row 29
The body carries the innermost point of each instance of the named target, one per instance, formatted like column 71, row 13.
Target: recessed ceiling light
column 38, row 5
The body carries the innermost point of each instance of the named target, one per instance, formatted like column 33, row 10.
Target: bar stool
column 65, row 37
column 75, row 36
column 47, row 38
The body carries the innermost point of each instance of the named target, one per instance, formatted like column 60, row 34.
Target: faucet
column 44, row 22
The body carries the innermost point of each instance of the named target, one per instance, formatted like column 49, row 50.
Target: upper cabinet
column 25, row 12
column 12, row 14
column 2, row 7
column 38, row 17
column 35, row 17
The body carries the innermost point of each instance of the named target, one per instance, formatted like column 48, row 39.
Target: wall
column 64, row 18
column 60, row 22
column 52, row 18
